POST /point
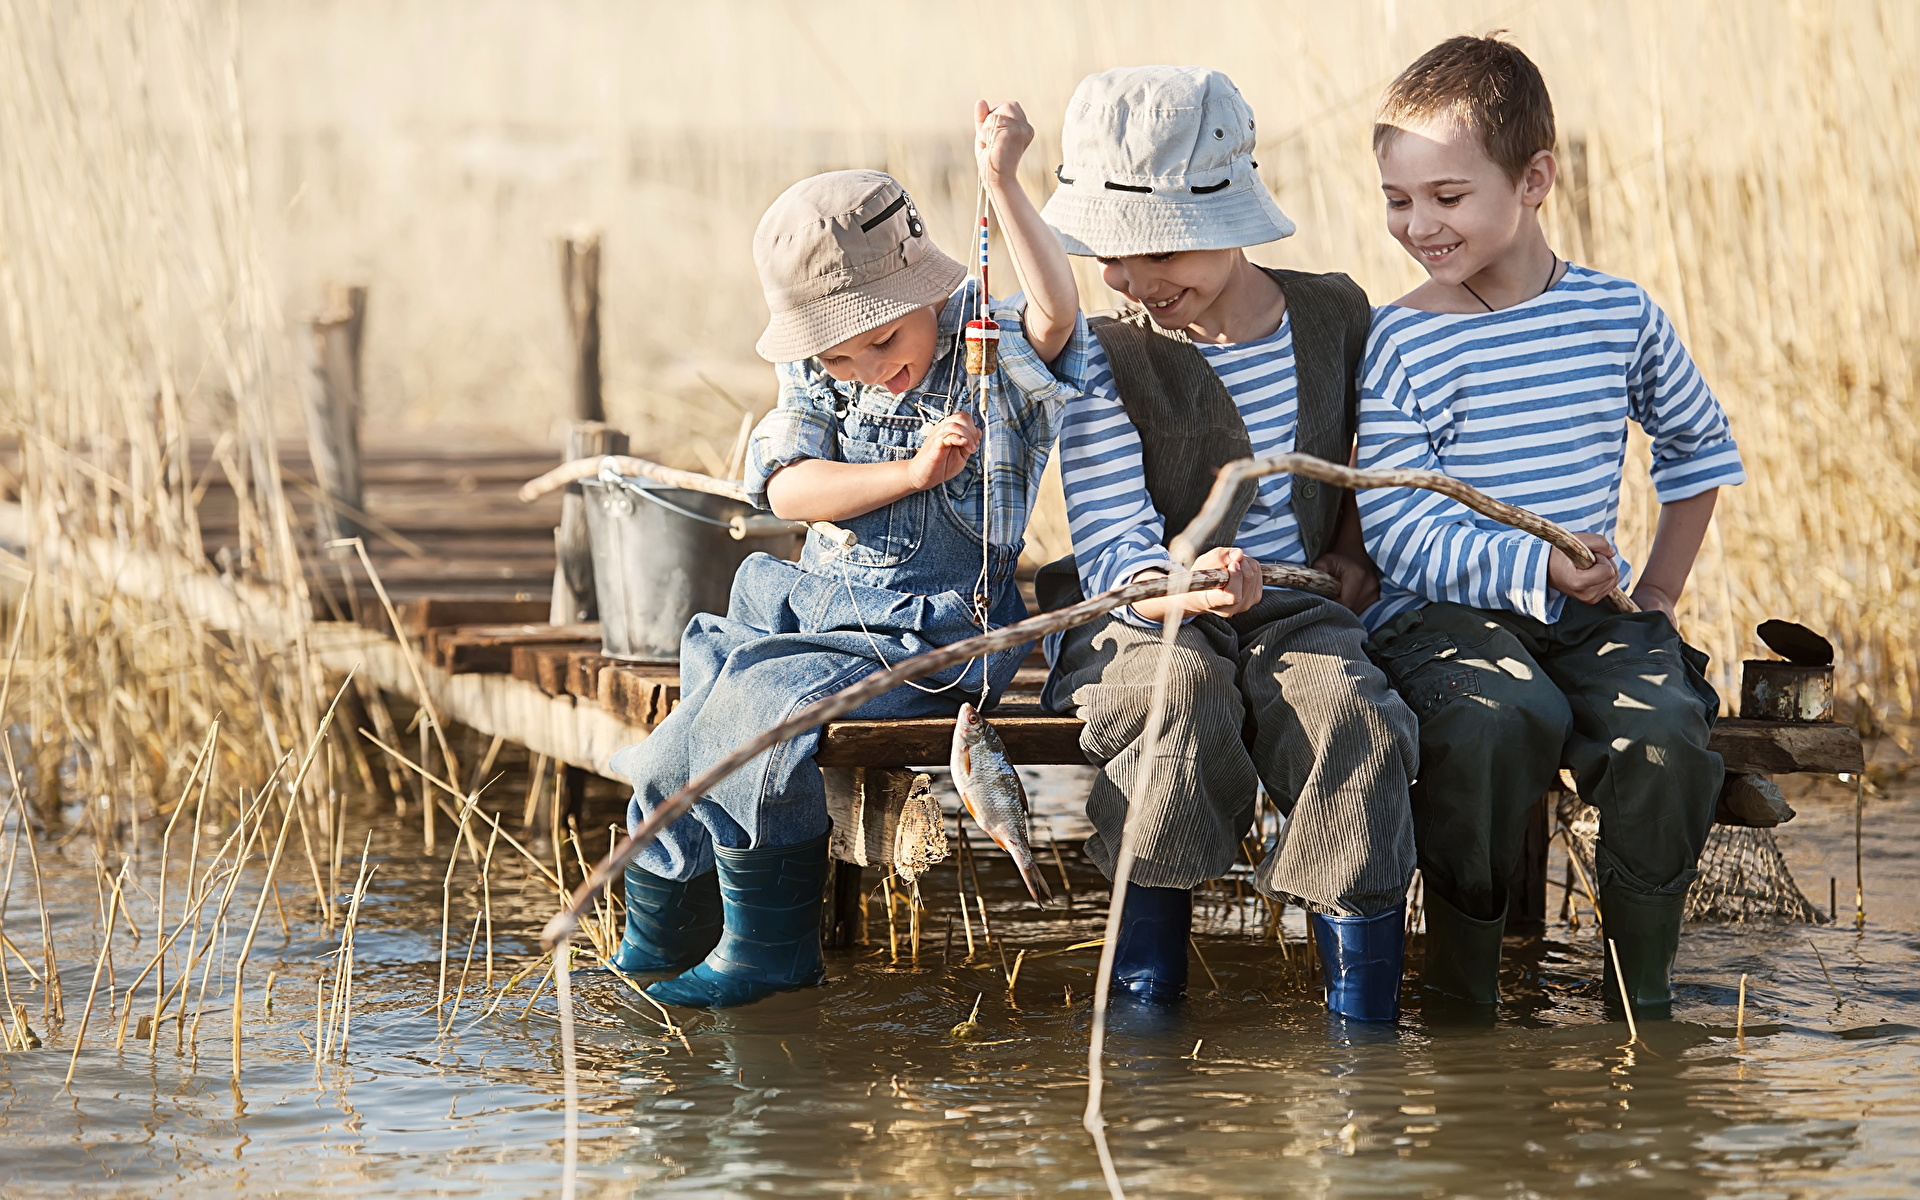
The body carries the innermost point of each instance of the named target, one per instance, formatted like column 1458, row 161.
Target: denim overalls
column 794, row 633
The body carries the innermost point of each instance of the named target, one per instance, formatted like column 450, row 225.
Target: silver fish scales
column 994, row 796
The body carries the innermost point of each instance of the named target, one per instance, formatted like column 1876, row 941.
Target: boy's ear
column 1537, row 180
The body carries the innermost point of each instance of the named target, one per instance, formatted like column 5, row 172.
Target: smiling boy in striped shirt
column 1518, row 372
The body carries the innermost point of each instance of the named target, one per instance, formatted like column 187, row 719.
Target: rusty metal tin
column 1771, row 690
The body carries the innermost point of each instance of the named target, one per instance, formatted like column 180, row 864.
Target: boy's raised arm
column 1001, row 137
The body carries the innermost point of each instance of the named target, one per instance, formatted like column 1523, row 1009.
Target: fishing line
column 978, row 337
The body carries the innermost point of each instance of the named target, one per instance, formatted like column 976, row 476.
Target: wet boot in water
column 1150, row 961
column 771, row 943
column 1645, row 932
column 670, row 926
column 1461, row 974
column 1361, row 959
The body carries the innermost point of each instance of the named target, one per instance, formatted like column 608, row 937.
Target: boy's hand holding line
column 824, row 490
column 1001, row 136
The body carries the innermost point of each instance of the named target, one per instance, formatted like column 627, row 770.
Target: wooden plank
column 545, row 666
column 439, row 612
column 1763, row 747
column 1031, row 740
column 583, row 673
column 488, row 649
column 576, row 734
column 639, row 696
column 1784, row 747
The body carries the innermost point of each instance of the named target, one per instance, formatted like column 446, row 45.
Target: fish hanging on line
column 994, row 796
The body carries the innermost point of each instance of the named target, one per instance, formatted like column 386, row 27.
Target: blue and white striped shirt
column 1530, row 405
column 1117, row 532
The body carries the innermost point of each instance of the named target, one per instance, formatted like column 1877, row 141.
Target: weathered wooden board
column 639, row 696
column 488, row 649
column 1031, row 739
column 573, row 732
column 1784, row 747
column 546, row 666
column 1761, row 747
column 440, row 612
column 583, row 673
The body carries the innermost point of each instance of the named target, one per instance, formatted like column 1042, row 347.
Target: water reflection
column 858, row 1090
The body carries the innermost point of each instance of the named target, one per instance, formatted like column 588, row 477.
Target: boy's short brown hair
column 1485, row 84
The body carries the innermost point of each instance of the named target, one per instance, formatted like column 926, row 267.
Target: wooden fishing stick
column 1184, row 546
column 881, row 682
column 590, row 468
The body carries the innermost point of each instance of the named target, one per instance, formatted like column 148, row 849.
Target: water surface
column 857, row 1090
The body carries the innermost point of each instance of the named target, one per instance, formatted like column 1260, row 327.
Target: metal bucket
column 661, row 555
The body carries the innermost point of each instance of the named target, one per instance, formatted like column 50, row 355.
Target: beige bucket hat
column 842, row 253
column 1160, row 159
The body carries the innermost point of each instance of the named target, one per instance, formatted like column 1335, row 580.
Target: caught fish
column 991, row 790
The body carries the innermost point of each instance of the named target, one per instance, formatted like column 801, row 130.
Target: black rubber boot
column 1150, row 961
column 1645, row 932
column 670, row 926
column 1361, row 960
column 771, row 899
column 1462, row 964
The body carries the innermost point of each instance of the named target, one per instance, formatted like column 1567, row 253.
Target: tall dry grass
column 139, row 323
column 1753, row 164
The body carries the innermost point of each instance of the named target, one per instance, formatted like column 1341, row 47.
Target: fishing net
column 1743, row 875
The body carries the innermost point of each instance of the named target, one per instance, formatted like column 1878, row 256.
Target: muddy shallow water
column 856, row 1089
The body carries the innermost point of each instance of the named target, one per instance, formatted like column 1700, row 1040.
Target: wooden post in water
column 333, row 407
column 588, row 436
column 580, row 284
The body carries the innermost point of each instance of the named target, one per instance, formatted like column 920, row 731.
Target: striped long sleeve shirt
column 1529, row 404
column 1117, row 532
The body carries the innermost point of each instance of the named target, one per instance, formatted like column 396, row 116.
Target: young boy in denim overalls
column 879, row 430
column 1518, row 372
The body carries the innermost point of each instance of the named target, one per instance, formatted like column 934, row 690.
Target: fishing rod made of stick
column 878, row 684
column 1185, row 545
column 1183, row 548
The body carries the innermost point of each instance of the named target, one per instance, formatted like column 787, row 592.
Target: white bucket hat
column 1160, row 159
column 842, row 253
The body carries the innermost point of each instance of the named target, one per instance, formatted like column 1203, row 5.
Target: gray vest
column 1190, row 427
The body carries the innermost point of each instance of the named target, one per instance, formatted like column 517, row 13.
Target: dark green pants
column 1505, row 701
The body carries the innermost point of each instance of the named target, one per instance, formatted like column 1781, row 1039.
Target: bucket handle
column 740, row 528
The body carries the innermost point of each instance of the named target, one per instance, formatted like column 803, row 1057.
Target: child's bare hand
column 946, row 449
column 1243, row 587
column 1587, row 584
column 1001, row 135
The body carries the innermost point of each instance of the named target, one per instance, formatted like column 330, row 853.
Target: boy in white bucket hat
column 1215, row 359
column 881, row 429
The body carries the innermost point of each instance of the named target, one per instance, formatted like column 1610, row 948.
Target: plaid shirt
column 1026, row 400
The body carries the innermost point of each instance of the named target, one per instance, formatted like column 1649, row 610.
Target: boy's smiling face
column 1174, row 288
column 1453, row 208
column 895, row 356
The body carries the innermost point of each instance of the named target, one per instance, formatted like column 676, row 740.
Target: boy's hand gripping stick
column 1185, row 546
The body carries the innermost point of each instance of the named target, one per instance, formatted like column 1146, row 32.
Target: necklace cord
column 1547, row 287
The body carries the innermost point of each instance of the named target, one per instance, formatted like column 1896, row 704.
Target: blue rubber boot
column 771, row 944
column 670, row 926
column 1361, row 958
column 1150, row 963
